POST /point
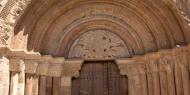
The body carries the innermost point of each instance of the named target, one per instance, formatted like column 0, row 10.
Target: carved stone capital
column 17, row 65
column 72, row 68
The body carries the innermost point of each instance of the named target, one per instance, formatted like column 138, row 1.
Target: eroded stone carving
column 7, row 24
column 4, row 33
column 2, row 4
column 98, row 44
column 183, row 6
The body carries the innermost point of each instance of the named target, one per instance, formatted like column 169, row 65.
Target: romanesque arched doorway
column 100, row 78
column 98, row 30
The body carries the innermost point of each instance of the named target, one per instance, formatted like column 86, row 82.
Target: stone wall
column 10, row 11
column 163, row 73
column 184, row 7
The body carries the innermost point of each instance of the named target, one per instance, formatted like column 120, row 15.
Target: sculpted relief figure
column 98, row 44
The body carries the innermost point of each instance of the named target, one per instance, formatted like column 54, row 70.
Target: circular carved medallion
column 98, row 44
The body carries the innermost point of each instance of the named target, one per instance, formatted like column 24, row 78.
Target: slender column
column 4, row 76
column 65, row 86
column 42, row 88
column 163, row 83
column 150, row 84
column 56, row 86
column 144, row 82
column 14, row 83
column 156, row 82
column 29, row 85
column 35, row 85
column 185, row 79
column 171, row 79
column 163, row 78
column 49, row 85
column 153, row 79
column 178, row 80
column 21, row 79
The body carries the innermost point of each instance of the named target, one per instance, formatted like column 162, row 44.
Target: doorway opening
column 100, row 78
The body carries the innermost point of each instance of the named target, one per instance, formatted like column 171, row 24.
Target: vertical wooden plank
column 42, row 88
column 35, row 85
column 14, row 83
column 29, row 85
column 56, row 85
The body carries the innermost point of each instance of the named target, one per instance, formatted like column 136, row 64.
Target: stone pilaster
column 42, row 88
column 56, row 85
column 171, row 79
column 35, row 85
column 185, row 79
column 71, row 69
column 66, row 86
column 130, row 69
column 4, row 75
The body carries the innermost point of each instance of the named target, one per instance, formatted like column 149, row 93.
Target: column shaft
column 4, row 76
column 14, row 83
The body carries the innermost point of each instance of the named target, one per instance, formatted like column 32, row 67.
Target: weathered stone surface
column 56, row 86
column 21, row 80
column 2, row 4
column 29, row 85
column 35, row 89
column 66, row 85
column 14, row 83
column 42, row 87
column 133, row 27
column 4, row 75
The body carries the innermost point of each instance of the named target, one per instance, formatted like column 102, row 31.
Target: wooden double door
column 100, row 78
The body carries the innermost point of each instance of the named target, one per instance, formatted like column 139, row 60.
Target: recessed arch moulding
column 54, row 26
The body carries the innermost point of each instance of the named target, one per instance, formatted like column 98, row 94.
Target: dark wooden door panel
column 99, row 78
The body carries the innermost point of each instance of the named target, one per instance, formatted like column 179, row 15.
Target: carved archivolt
column 145, row 25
